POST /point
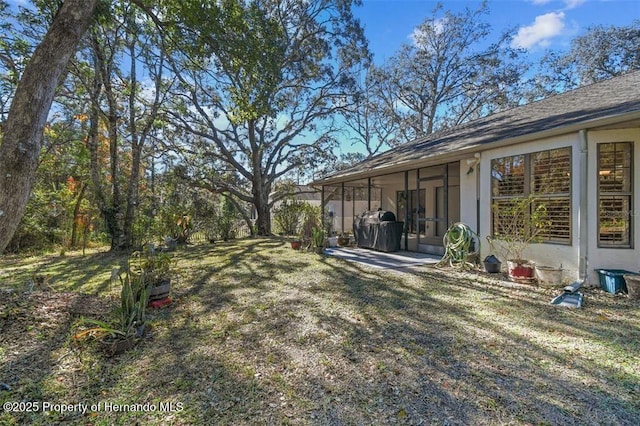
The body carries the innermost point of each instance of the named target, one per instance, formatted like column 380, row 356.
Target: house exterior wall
column 612, row 258
column 475, row 200
column 567, row 255
column 351, row 210
column 469, row 193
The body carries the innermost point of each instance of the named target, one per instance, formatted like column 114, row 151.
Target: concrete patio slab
column 397, row 260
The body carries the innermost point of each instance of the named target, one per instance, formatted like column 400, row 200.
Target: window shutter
column 615, row 166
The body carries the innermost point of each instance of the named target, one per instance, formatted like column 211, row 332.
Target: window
column 544, row 175
column 615, row 166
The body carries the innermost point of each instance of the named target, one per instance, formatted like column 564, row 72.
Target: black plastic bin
column 378, row 230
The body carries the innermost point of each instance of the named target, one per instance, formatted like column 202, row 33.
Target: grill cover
column 378, row 230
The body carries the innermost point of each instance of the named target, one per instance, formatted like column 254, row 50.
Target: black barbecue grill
column 378, row 230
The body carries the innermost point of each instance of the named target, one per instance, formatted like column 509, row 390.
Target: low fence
column 241, row 230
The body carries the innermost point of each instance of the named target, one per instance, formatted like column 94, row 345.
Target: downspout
column 368, row 195
column 584, row 205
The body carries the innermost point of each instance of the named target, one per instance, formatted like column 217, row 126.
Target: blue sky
column 540, row 24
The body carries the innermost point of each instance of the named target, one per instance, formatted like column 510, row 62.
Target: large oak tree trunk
column 263, row 210
column 23, row 130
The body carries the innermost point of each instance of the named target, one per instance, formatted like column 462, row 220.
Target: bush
column 226, row 220
column 288, row 215
column 518, row 222
column 311, row 218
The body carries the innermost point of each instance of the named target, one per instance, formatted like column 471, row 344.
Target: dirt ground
column 259, row 334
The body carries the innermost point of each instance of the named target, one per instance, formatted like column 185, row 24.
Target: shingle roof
column 615, row 97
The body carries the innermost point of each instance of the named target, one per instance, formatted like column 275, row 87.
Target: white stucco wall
column 612, row 258
column 543, row 254
column 568, row 255
column 469, row 186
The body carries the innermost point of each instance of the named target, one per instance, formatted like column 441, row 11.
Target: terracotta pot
column 296, row 245
column 521, row 271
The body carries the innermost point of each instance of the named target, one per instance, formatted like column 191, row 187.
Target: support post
column 323, row 205
column 446, row 197
column 406, row 210
column 417, row 216
column 342, row 207
column 353, row 205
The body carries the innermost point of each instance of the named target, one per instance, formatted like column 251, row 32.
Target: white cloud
column 543, row 29
column 418, row 35
column 572, row 4
column 568, row 4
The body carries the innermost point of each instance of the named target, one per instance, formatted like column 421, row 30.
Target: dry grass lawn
column 260, row 334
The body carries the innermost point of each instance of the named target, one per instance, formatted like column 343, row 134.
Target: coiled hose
column 461, row 244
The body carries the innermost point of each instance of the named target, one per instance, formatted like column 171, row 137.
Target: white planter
column 549, row 276
column 333, row 241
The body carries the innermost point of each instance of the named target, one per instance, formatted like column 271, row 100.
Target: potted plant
column 155, row 270
column 517, row 224
column 311, row 223
column 344, row 239
column 317, row 240
column 128, row 319
column 332, row 238
column 491, row 263
column 296, row 244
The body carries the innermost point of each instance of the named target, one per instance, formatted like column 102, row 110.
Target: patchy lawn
column 260, row 334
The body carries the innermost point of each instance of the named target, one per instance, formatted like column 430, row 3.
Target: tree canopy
column 260, row 86
column 446, row 76
column 600, row 53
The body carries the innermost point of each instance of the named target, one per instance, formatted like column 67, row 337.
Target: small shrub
column 287, row 216
column 518, row 223
column 311, row 219
column 318, row 238
column 226, row 220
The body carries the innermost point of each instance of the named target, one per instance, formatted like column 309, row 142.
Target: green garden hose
column 461, row 243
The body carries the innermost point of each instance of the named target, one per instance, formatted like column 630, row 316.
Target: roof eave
column 434, row 159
